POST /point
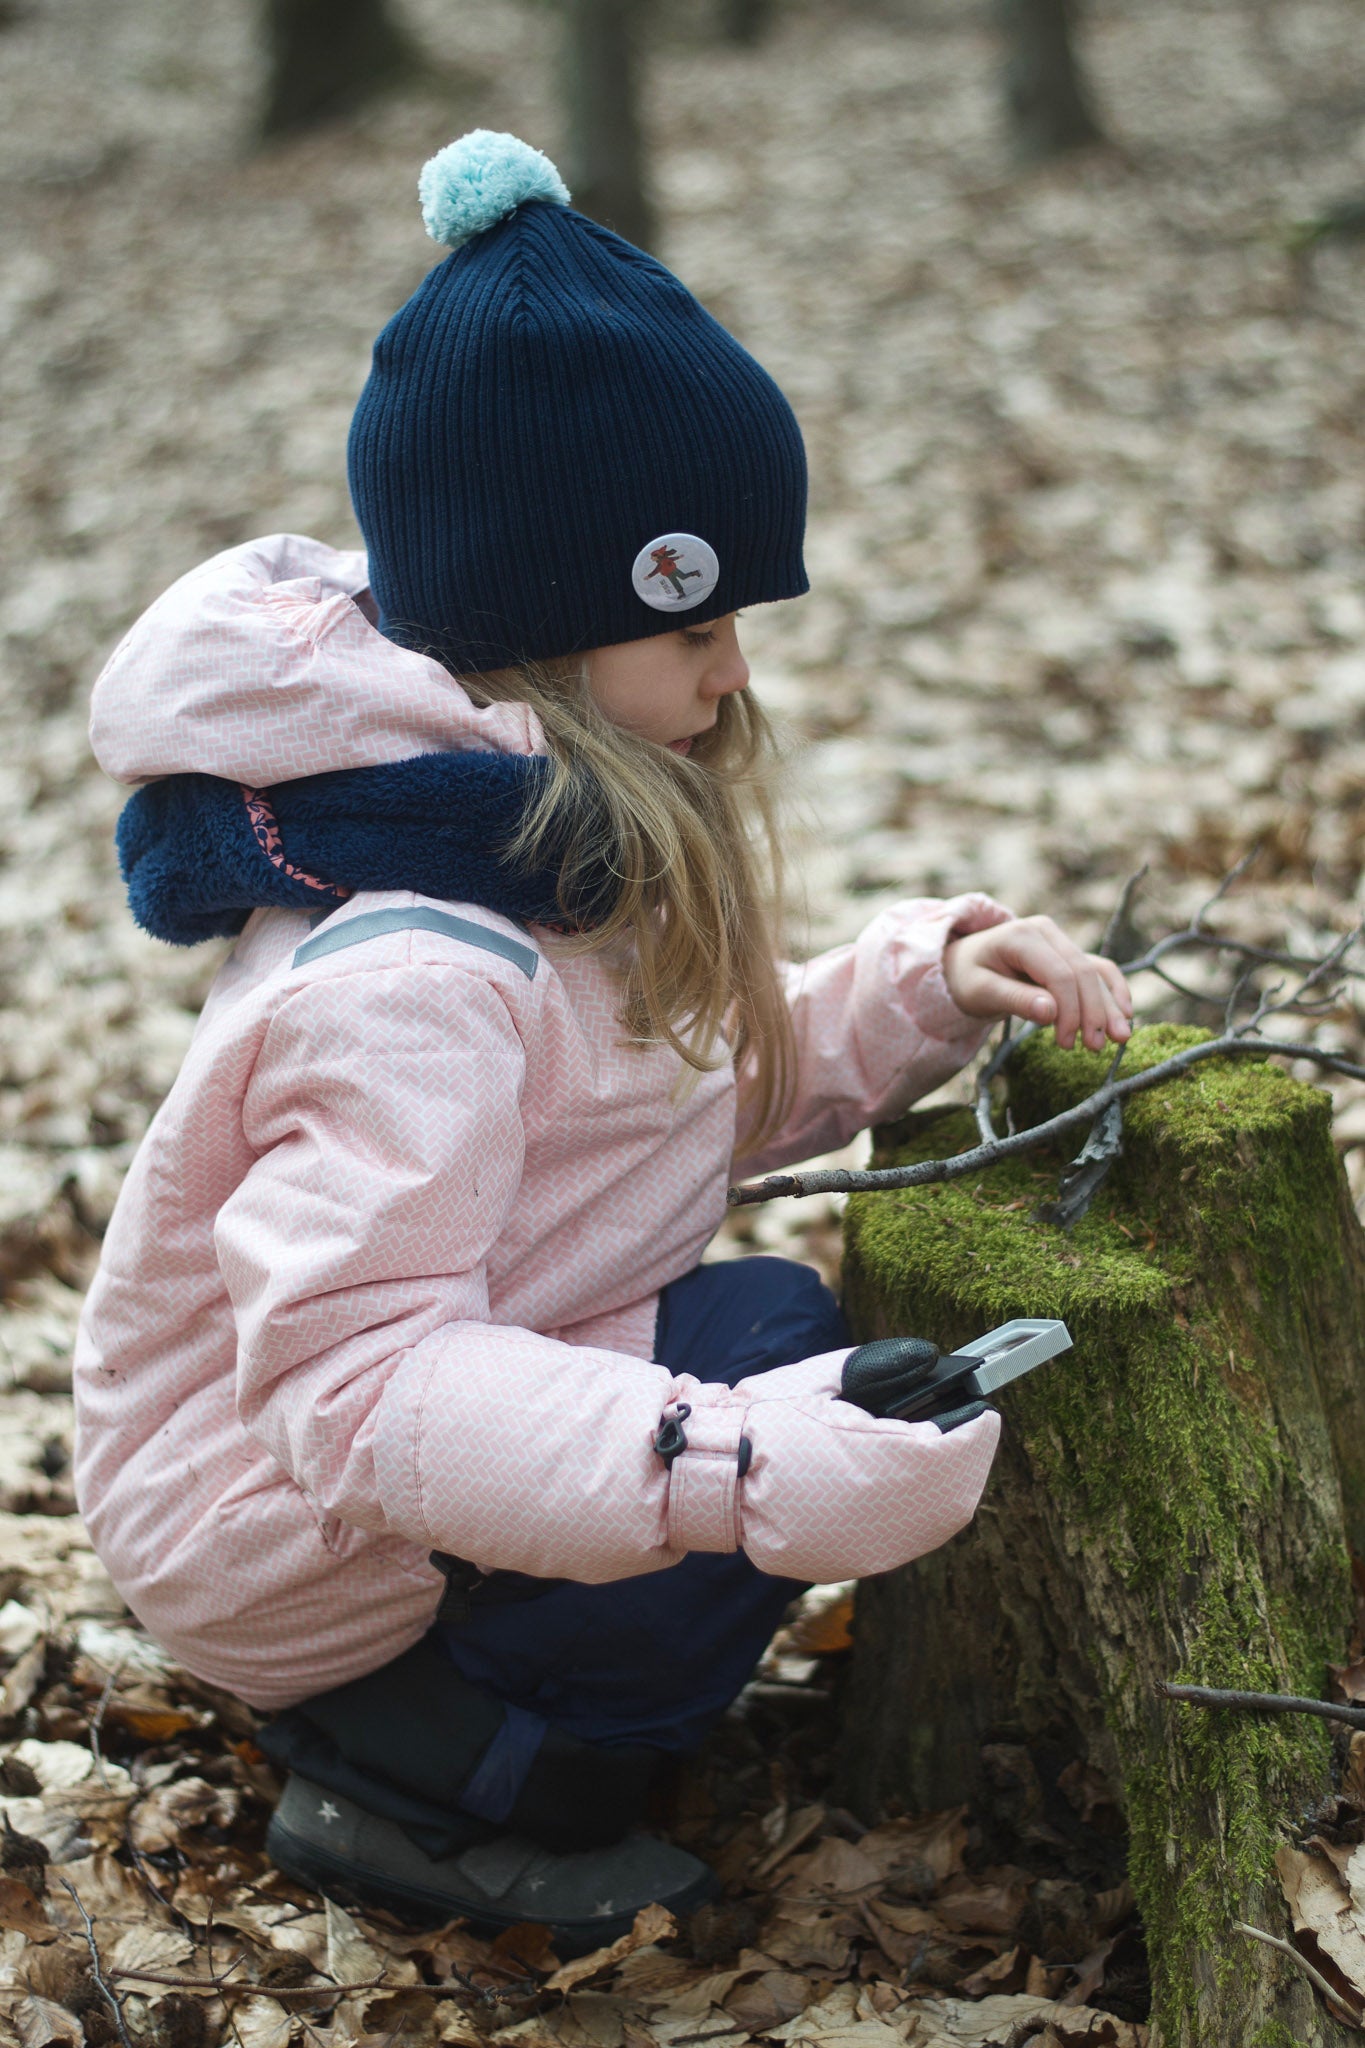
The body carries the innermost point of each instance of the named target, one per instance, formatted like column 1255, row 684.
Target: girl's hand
column 1029, row 968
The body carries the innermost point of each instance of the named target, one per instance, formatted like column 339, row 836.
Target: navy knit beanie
column 558, row 448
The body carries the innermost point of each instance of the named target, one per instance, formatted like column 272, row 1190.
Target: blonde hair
column 691, row 844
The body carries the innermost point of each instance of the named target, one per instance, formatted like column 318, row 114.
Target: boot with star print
column 585, row 1898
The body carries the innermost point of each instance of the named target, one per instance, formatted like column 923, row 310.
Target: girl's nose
column 728, row 672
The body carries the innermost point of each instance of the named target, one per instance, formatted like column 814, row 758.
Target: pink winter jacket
column 383, row 1277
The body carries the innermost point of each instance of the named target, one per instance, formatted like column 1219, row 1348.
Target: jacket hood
column 260, row 667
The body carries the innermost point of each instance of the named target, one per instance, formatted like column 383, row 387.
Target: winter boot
column 585, row 1898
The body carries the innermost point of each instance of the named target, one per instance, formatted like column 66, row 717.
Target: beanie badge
column 675, row 572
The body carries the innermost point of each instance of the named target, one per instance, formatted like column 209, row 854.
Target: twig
column 1261, row 1703
column 711, row 2034
column 851, row 1181
column 1118, row 923
column 97, row 1721
column 106, row 1990
column 790, row 1844
column 215, row 1984
column 1315, row 1977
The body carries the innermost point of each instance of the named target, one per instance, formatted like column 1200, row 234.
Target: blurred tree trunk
column 1045, row 91
column 325, row 57
column 605, row 166
column 745, row 21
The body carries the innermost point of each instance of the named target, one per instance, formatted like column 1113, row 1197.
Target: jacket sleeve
column 384, row 1112
column 875, row 1028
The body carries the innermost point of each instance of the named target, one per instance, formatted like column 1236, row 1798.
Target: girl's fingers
column 1117, row 982
column 999, row 995
column 1031, row 969
column 1037, row 955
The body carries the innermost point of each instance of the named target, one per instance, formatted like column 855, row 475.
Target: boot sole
column 354, row 1884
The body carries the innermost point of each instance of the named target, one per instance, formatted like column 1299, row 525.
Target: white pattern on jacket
column 383, row 1277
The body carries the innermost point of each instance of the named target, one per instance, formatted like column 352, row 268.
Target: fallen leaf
column 652, row 1923
column 835, row 1867
column 20, row 1628
column 409, row 2012
column 599, row 2017
column 162, row 1949
column 152, row 1724
column 351, row 1959
column 824, row 1625
column 535, row 2032
column 1087, row 1790
column 1007, row 1972
column 1353, row 1777
column 287, row 1930
column 713, row 1990
column 456, row 2027
column 1116, row 1905
column 930, row 1845
column 839, row 2021
column 104, row 1886
column 22, row 1682
column 989, row 1905
column 807, row 1939
column 527, row 1944
column 764, row 2002
column 1045, row 1980
column 21, row 1909
column 57, row 1765
column 1090, row 1973
column 908, row 1919
column 1349, row 1679
column 800, row 1826
column 165, row 1816
column 41, row 2023
column 260, row 2023
column 668, row 2027
column 652, row 1974
column 958, row 2023
column 1320, row 1905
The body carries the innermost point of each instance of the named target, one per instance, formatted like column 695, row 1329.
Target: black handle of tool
column 910, row 1380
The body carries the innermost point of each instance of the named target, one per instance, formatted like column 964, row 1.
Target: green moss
column 1175, row 1430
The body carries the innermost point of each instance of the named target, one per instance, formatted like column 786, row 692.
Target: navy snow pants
column 577, row 1682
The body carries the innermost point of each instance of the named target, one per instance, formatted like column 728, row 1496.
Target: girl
column 406, row 1409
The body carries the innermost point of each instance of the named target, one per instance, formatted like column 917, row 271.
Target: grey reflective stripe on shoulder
column 372, row 924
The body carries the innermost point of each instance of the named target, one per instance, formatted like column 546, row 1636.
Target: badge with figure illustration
column 675, row 572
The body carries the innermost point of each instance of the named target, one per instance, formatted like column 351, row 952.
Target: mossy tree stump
column 1174, row 1499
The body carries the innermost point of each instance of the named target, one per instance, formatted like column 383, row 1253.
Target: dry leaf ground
column 1087, row 540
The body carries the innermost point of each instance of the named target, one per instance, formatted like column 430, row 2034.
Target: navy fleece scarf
column 200, row 854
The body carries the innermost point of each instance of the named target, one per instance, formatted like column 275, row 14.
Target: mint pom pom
column 480, row 179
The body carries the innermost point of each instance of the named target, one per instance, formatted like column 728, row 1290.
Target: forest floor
column 1087, row 542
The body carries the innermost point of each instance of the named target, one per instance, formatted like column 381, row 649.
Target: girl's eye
column 699, row 639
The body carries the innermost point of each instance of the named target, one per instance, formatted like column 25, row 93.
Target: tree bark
column 325, row 57
column 745, row 21
column 1173, row 1499
column 1046, row 96
column 605, row 156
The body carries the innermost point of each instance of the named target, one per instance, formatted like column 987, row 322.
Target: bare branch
column 106, row 1990
column 1229, row 881
column 213, row 1986
column 985, row 1120
column 1314, row 1976
column 849, row 1181
column 1121, row 915
column 97, row 1721
column 1235, row 995
column 1261, row 1703
column 1311, row 996
column 1091, row 1167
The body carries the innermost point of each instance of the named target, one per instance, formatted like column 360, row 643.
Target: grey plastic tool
column 1013, row 1349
